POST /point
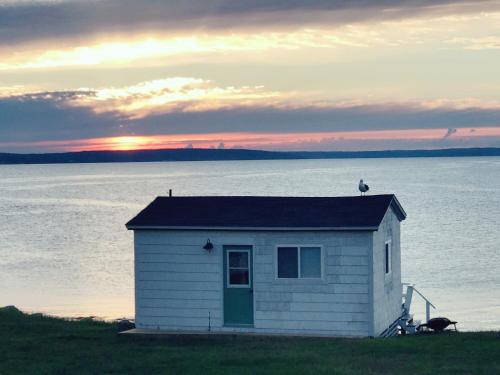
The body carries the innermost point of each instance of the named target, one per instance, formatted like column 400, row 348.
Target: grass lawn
column 34, row 344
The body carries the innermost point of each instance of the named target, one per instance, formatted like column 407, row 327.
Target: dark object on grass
column 125, row 325
column 437, row 324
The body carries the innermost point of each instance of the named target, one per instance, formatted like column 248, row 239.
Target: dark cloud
column 357, row 118
column 32, row 21
column 43, row 117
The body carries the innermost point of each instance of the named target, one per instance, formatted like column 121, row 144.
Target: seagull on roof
column 363, row 188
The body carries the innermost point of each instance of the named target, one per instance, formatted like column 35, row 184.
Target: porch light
column 208, row 246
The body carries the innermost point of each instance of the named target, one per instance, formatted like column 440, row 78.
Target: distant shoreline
column 140, row 156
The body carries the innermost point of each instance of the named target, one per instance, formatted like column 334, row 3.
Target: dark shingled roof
column 267, row 213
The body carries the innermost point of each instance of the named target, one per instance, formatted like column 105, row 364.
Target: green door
column 238, row 286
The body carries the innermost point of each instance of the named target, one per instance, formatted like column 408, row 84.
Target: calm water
column 64, row 249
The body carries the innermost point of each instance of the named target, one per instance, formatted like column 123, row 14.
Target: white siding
column 337, row 304
column 387, row 289
column 178, row 283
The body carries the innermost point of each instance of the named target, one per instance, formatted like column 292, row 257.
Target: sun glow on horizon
column 336, row 141
column 128, row 143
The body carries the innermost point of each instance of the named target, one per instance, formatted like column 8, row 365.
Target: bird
column 363, row 188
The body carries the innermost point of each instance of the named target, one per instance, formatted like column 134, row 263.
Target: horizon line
column 174, row 149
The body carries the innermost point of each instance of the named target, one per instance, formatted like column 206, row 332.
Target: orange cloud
column 176, row 94
column 126, row 50
column 189, row 94
column 158, row 47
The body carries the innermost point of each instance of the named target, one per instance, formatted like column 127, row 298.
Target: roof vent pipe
column 170, row 192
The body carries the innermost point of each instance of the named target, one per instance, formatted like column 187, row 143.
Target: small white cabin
column 294, row 265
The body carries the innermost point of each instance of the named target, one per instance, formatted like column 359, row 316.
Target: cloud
column 323, row 36
column 45, row 116
column 147, row 48
column 171, row 95
column 176, row 97
column 477, row 43
column 186, row 105
column 449, row 132
column 38, row 20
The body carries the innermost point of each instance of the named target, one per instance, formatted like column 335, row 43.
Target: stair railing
column 410, row 288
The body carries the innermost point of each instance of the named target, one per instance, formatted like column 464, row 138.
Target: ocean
column 64, row 248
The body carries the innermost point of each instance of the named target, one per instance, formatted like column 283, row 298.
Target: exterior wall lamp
column 208, row 246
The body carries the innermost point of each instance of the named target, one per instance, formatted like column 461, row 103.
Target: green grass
column 35, row 344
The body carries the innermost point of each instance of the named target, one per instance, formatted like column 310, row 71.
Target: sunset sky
column 274, row 75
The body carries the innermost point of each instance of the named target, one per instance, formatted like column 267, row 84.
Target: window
column 387, row 257
column 298, row 262
column 288, row 264
column 238, row 268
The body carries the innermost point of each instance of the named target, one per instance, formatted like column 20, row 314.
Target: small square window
column 298, row 262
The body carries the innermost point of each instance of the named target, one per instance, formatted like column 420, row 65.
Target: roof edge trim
column 150, row 227
column 398, row 209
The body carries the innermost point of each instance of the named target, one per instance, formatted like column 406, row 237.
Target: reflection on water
column 64, row 248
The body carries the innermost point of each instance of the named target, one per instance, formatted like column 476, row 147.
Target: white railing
column 410, row 288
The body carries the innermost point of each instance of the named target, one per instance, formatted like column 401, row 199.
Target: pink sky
column 267, row 141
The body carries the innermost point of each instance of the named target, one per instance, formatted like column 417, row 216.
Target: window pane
column 387, row 259
column 238, row 259
column 238, row 277
column 310, row 262
column 287, row 262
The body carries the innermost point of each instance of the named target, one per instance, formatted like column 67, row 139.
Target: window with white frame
column 387, row 258
column 298, row 262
